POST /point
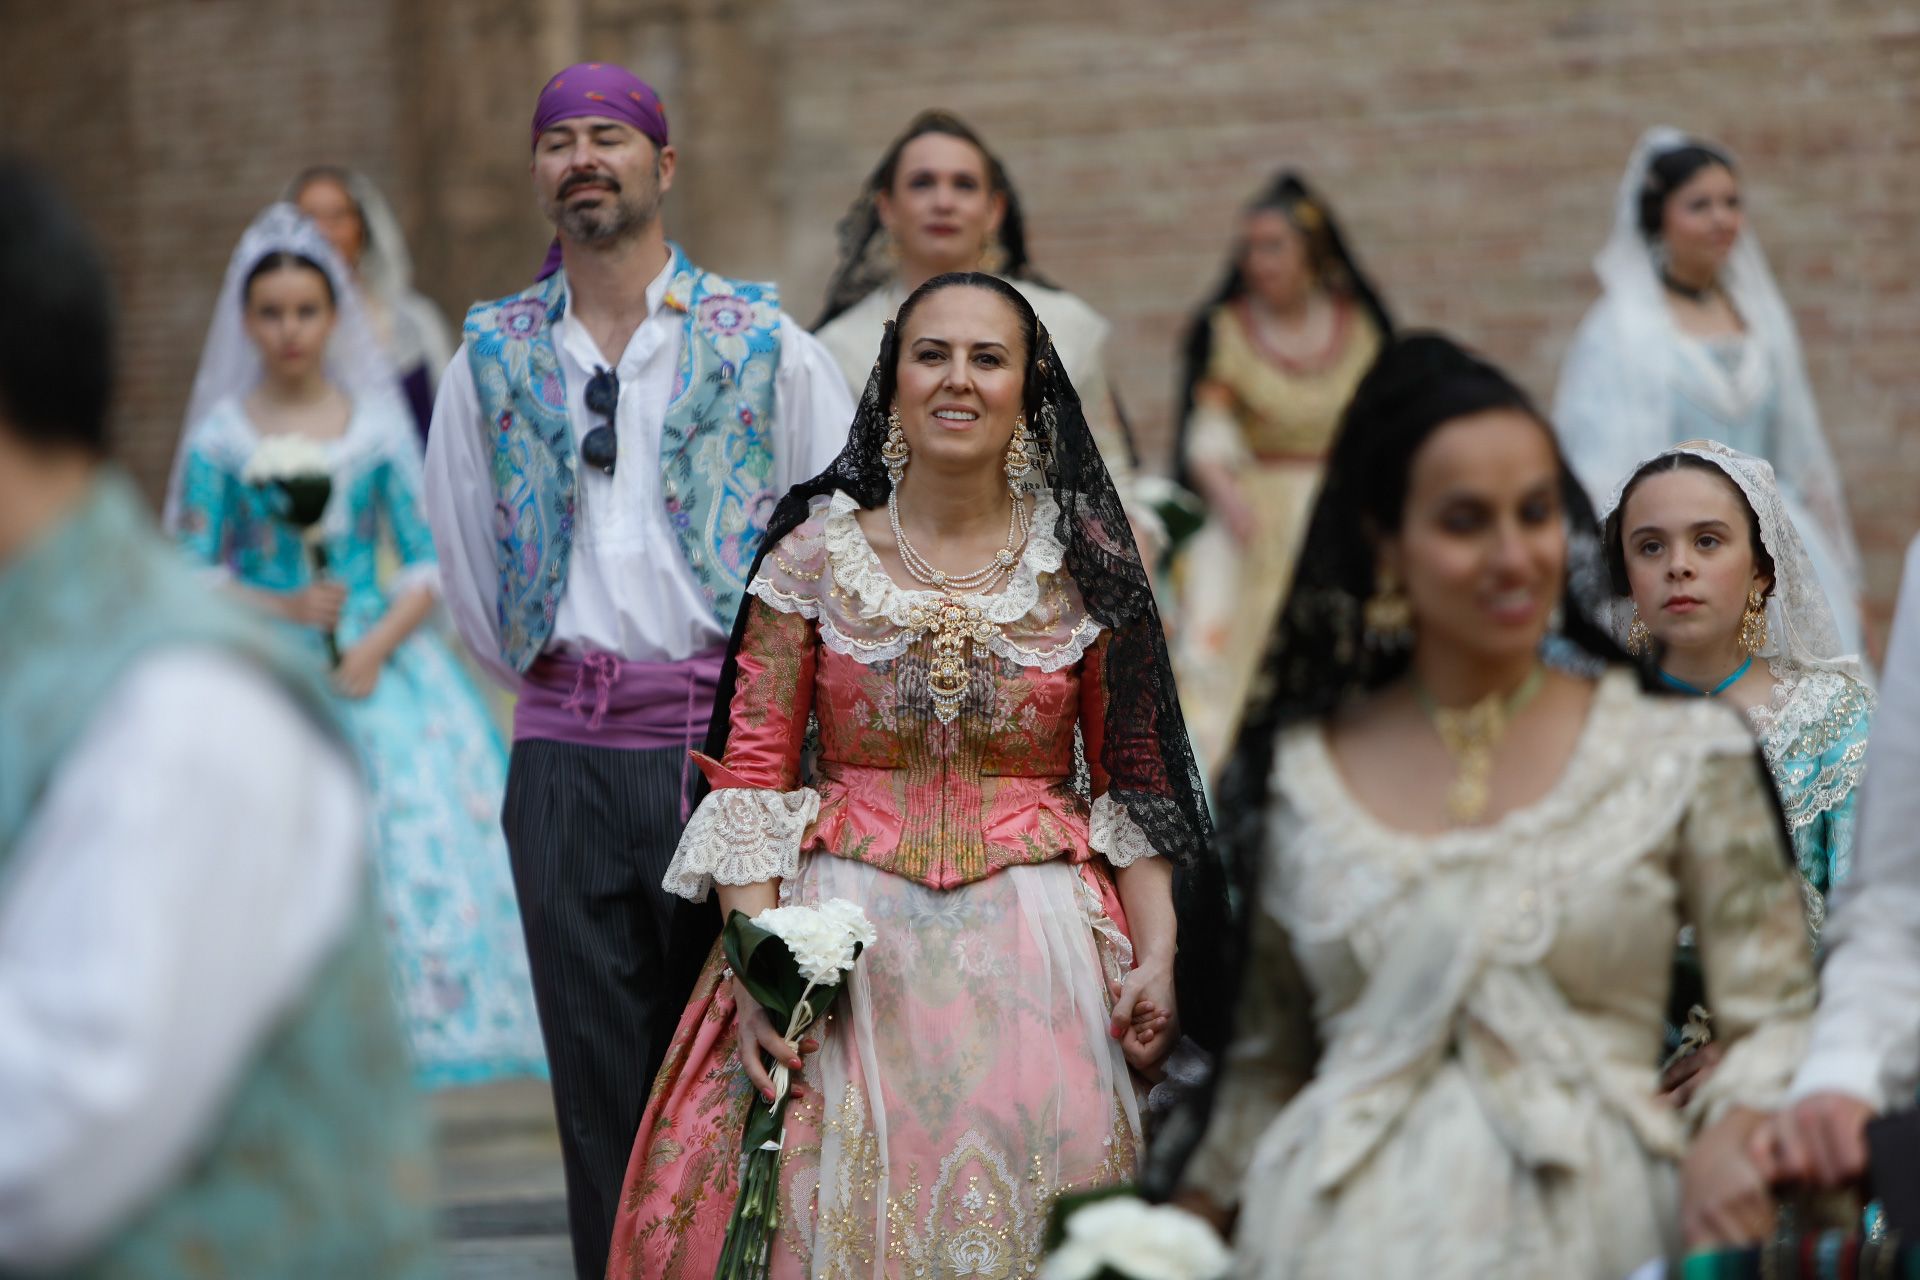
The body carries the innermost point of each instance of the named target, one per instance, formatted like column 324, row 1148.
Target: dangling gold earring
column 1639, row 639
column 1019, row 453
column 1387, row 616
column 1753, row 623
column 993, row 254
column 894, row 452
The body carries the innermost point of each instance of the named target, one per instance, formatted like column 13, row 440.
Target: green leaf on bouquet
column 302, row 500
column 766, row 967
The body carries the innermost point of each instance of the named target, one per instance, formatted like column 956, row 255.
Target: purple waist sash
column 600, row 700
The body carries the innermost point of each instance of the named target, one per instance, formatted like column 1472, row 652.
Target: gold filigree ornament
column 1470, row 735
column 953, row 625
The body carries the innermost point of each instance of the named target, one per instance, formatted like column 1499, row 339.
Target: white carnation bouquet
column 295, row 469
column 793, row 961
column 1109, row 1236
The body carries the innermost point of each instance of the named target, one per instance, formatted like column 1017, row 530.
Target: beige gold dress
column 1274, row 439
column 1445, row 1064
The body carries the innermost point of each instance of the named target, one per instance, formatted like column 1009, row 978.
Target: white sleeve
column 812, row 410
column 195, row 858
column 460, row 500
column 1866, row 1035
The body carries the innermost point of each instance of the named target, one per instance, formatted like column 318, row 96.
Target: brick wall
column 1471, row 149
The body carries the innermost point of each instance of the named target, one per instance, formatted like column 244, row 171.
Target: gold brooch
column 951, row 624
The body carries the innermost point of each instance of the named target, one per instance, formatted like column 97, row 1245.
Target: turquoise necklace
column 1675, row 682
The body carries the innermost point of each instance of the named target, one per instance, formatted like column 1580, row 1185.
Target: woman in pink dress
column 1001, row 781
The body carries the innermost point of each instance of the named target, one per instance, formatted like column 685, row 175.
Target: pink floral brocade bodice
column 831, row 637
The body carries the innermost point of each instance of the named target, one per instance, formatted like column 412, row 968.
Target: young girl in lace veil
column 1716, row 580
column 1464, row 869
column 290, row 354
column 1691, row 338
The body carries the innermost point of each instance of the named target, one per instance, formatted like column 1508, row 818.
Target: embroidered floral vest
column 320, row 1163
column 716, row 451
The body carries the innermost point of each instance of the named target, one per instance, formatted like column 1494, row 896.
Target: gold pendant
column 951, row 624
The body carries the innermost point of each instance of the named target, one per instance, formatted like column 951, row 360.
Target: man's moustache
column 571, row 185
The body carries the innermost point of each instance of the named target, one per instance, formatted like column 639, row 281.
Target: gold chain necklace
column 1470, row 735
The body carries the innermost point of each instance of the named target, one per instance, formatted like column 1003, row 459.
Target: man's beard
column 623, row 215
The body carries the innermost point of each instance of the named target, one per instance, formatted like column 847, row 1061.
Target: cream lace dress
column 1486, row 1009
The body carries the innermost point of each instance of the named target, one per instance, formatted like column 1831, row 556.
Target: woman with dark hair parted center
column 1465, row 866
column 940, row 201
column 1010, row 823
column 1269, row 363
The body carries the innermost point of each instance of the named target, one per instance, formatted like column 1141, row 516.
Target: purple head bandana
column 597, row 89
column 601, row 89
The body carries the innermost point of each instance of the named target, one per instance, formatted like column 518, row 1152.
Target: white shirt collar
column 575, row 339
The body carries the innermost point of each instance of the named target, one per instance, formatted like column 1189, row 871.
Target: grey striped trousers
column 614, row 956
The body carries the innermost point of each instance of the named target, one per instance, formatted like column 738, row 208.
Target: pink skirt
column 965, row 1079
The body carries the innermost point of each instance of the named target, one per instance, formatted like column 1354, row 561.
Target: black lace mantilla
column 1146, row 753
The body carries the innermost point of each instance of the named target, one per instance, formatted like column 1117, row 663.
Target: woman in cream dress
column 1467, row 870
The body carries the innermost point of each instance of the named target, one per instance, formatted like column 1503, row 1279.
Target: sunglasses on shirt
column 600, row 447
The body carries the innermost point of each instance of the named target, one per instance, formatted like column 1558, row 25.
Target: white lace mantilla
column 1113, row 832
column 826, row 570
column 741, row 835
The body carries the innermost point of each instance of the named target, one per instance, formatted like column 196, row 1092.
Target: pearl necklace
column 960, row 583
column 955, row 625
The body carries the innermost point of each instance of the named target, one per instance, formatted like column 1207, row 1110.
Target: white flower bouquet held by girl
column 793, row 961
column 1116, row 1236
column 296, row 468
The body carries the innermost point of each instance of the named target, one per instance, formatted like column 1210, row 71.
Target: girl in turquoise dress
column 291, row 365
column 1713, row 574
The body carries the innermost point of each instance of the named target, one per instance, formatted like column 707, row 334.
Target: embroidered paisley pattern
column 716, row 456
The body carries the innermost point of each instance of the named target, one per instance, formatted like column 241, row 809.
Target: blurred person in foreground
column 1464, row 871
column 200, row 1069
column 607, row 450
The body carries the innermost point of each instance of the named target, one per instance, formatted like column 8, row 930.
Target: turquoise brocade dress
column 1813, row 735
column 435, row 762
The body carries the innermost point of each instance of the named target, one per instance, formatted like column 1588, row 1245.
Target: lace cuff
column 1114, row 833
column 741, row 835
column 415, row 577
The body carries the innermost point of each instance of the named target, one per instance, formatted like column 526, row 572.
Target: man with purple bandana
column 606, row 450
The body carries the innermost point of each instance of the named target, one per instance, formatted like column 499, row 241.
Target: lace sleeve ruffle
column 1113, row 832
column 741, row 835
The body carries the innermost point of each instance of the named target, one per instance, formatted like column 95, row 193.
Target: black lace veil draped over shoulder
column 1146, row 753
column 1336, row 266
column 1316, row 658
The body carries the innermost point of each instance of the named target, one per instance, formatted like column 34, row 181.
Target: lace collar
column 1630, row 774
column 857, row 567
